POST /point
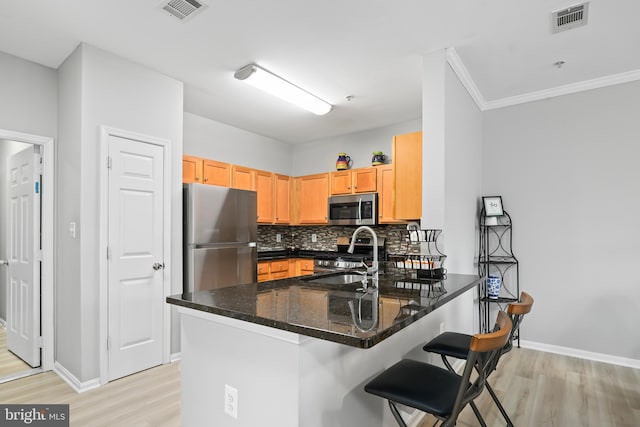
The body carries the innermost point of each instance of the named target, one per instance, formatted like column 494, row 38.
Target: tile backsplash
column 325, row 237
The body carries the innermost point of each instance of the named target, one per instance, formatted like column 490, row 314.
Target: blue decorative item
column 493, row 286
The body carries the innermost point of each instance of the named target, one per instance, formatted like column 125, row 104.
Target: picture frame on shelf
column 492, row 206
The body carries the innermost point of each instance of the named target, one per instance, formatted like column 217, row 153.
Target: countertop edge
column 327, row 335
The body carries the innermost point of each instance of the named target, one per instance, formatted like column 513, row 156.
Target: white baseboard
column 582, row 354
column 74, row 383
column 3, row 323
column 175, row 357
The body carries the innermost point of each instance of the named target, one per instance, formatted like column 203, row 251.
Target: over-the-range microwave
column 356, row 209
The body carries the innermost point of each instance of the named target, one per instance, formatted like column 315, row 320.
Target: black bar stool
column 457, row 345
column 438, row 391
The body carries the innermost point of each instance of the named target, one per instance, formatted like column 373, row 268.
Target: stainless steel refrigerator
column 220, row 227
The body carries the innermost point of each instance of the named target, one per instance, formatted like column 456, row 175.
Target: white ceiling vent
column 183, row 9
column 571, row 17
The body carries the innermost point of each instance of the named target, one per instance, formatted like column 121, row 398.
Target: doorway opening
column 36, row 204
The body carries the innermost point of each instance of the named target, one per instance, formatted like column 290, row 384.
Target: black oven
column 357, row 209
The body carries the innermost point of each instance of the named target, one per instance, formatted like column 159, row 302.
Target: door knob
column 4, row 262
column 158, row 266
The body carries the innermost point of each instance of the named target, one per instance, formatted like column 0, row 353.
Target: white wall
column 214, row 140
column 462, row 183
column 451, row 175
column 320, row 155
column 28, row 97
column 567, row 170
column 120, row 94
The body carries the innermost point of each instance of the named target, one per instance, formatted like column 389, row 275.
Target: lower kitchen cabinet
column 263, row 271
column 284, row 268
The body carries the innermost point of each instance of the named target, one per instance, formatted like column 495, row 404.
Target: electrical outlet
column 314, row 238
column 231, row 401
column 278, row 237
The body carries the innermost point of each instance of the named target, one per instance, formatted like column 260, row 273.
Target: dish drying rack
column 422, row 258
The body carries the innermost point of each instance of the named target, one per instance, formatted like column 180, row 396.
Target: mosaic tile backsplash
column 301, row 237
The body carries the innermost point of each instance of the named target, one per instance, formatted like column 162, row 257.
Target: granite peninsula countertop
column 322, row 311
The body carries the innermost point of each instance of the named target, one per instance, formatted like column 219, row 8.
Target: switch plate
column 72, row 229
column 314, row 238
column 278, row 237
column 231, row 401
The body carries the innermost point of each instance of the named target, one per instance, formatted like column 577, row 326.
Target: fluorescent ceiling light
column 270, row 83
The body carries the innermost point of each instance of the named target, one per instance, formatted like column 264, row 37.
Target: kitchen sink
column 337, row 279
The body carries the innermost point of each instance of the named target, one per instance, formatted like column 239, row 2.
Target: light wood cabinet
column 386, row 195
column 312, row 197
column 191, row 169
column 362, row 180
column 242, row 177
column 306, row 267
column 216, row 173
column 300, row 267
column 407, row 176
column 282, row 199
column 263, row 271
column 264, row 188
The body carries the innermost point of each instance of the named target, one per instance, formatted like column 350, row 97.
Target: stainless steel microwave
column 356, row 209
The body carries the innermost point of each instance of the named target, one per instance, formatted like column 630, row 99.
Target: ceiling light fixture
column 264, row 80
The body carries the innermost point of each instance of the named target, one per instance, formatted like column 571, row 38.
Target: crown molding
column 467, row 81
column 565, row 90
column 465, row 78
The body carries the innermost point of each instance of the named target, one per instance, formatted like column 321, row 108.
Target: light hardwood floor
column 537, row 389
column 9, row 363
column 545, row 389
column 147, row 399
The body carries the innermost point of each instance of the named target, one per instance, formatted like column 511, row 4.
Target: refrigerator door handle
column 223, row 245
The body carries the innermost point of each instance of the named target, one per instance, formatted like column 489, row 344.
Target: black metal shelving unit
column 496, row 258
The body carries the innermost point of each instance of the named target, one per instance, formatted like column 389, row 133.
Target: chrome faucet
column 373, row 270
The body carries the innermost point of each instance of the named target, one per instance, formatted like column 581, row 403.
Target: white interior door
column 135, row 266
column 23, row 285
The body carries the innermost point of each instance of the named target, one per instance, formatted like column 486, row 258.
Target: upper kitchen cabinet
column 362, row 180
column 282, row 198
column 312, row 193
column 264, row 186
column 407, row 176
column 242, row 177
column 191, row 169
column 386, row 194
column 216, row 173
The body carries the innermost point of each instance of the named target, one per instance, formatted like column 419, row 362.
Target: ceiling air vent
column 571, row 17
column 183, row 9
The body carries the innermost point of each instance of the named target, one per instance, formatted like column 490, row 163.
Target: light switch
column 72, row 229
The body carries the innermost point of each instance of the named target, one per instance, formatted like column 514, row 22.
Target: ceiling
column 503, row 50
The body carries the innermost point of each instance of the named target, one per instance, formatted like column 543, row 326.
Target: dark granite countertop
column 322, row 311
